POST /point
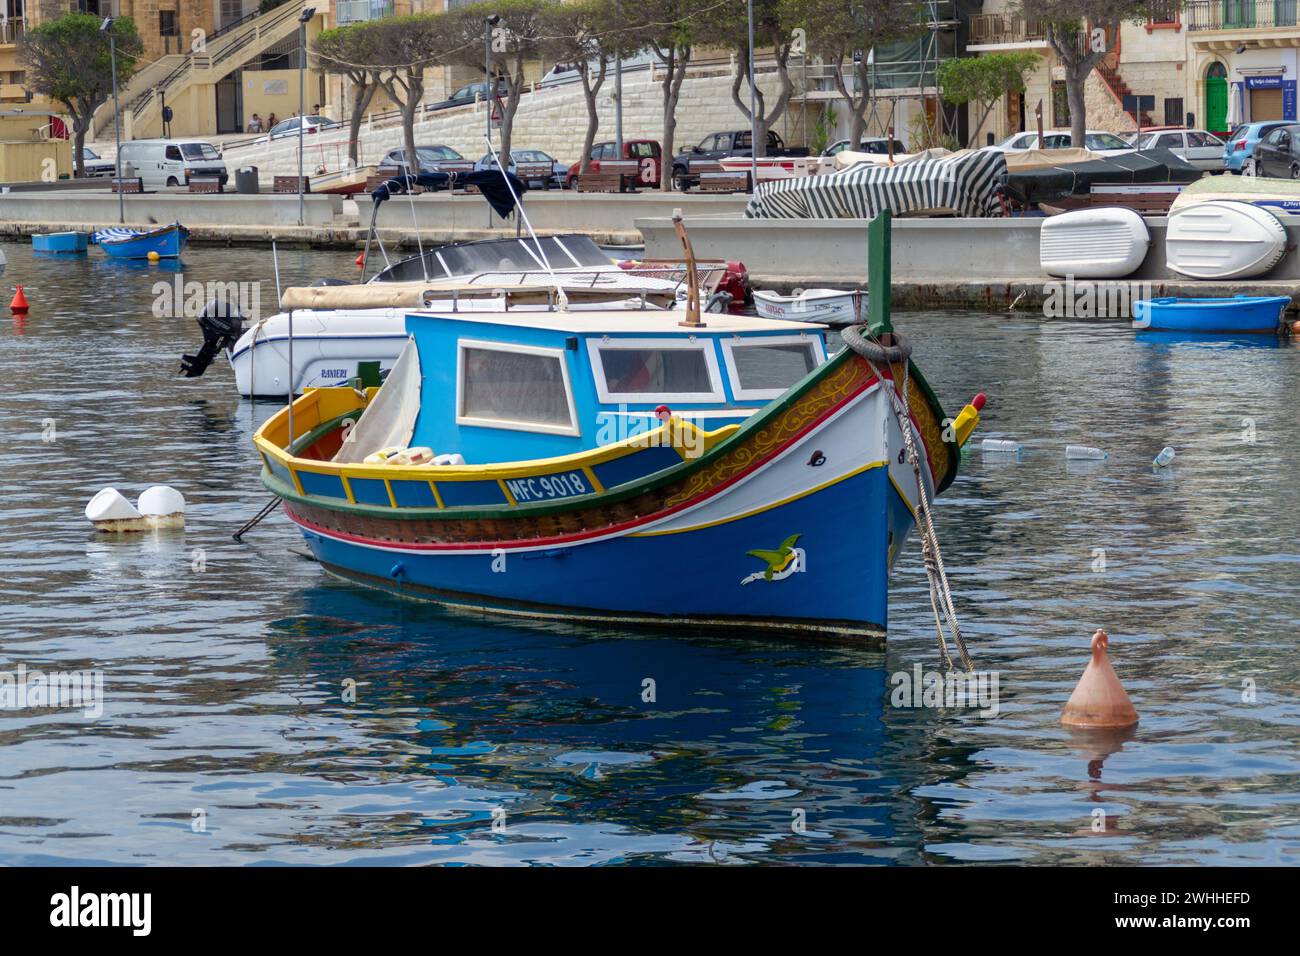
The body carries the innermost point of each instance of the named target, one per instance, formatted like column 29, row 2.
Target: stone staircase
column 1109, row 73
column 226, row 50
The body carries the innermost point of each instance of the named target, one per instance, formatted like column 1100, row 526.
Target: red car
column 645, row 151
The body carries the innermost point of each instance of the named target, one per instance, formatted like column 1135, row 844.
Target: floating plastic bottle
column 1085, row 453
column 1001, row 445
column 1164, row 458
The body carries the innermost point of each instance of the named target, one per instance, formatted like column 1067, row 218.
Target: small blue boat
column 121, row 243
column 1241, row 313
column 64, row 243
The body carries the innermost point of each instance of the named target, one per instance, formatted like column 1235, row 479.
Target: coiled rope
column 893, row 349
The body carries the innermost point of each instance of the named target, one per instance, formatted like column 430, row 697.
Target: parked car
column 1239, row 150
column 95, row 165
column 1097, row 140
column 876, row 145
column 559, row 170
column 464, row 96
column 1194, row 146
column 1278, row 153
column 646, row 151
column 171, row 162
column 717, row 145
column 289, row 127
column 429, row 159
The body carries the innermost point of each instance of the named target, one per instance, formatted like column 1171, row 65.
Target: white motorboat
column 1102, row 243
column 1223, row 239
column 823, row 306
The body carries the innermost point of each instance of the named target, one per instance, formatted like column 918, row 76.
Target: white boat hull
column 1104, row 243
column 1223, row 239
column 823, row 306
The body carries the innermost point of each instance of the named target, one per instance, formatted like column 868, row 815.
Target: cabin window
column 514, row 386
column 765, row 368
column 649, row 370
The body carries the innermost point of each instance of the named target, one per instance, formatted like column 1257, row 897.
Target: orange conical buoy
column 19, row 303
column 1099, row 700
column 361, row 260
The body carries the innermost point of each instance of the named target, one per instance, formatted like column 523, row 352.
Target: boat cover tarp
column 965, row 183
column 604, row 286
column 389, row 419
column 490, row 182
column 1056, row 182
column 1277, row 195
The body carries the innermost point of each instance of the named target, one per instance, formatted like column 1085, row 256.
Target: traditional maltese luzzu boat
column 623, row 466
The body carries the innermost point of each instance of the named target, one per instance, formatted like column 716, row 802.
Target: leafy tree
column 68, row 60
column 1078, row 32
column 587, row 34
column 836, row 30
column 772, row 30
column 983, row 80
column 407, row 45
column 670, row 29
column 352, row 52
column 516, row 40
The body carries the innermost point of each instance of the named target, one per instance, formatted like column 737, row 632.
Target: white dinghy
column 1103, row 243
column 823, row 306
column 1223, row 239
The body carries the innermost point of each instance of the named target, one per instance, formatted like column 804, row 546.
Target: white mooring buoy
column 109, row 511
column 162, row 506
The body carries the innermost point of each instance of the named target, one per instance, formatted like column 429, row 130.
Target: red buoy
column 1099, row 701
column 979, row 400
column 361, row 260
column 19, row 303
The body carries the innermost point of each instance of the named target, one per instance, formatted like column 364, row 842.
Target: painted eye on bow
column 817, row 459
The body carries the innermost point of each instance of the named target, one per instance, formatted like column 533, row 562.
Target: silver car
column 1194, row 146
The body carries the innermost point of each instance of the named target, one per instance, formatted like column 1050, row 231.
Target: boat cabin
column 511, row 386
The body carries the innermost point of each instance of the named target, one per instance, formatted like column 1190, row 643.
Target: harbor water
column 256, row 712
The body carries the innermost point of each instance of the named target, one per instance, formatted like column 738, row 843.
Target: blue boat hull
column 704, row 577
column 1254, row 314
column 64, row 243
column 167, row 242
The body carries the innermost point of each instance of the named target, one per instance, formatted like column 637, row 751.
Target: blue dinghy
column 1241, row 313
column 65, row 243
column 122, row 243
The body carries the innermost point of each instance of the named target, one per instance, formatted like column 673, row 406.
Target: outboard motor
column 718, row 302
column 222, row 325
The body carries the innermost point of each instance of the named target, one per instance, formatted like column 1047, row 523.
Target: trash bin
column 246, row 180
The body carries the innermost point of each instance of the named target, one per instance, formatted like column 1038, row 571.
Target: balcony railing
column 988, row 28
column 1240, row 14
column 359, row 11
column 11, row 28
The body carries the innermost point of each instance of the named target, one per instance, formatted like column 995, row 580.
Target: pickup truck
column 717, row 145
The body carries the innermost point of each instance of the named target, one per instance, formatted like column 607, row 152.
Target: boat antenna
column 419, row 245
column 275, row 260
column 560, row 297
column 692, row 277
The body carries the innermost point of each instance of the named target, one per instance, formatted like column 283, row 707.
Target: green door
column 1216, row 103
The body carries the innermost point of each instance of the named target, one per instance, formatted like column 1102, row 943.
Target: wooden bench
column 530, row 172
column 599, row 183
column 289, row 184
column 1149, row 204
column 724, row 182
column 128, row 184
column 205, row 184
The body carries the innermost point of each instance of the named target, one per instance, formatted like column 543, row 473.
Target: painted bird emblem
column 778, row 559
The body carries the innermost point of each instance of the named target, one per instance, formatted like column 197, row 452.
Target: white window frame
column 766, row 394
column 704, row 345
column 559, row 354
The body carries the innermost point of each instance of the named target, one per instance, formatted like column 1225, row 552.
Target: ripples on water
column 224, row 684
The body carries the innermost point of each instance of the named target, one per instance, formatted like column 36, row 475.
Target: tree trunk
column 363, row 91
column 78, row 141
column 675, row 62
column 1075, row 77
column 764, row 118
column 516, row 89
column 858, row 107
column 589, row 92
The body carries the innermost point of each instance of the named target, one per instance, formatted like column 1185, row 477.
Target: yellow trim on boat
column 591, row 477
column 347, row 489
column 437, row 495
column 506, row 491
column 388, row 487
column 767, row 507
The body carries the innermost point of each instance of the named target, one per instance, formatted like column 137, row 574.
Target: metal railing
column 359, row 11
column 11, row 28
column 1240, row 14
column 1005, row 28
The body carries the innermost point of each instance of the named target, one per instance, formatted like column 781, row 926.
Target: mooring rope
column 898, row 352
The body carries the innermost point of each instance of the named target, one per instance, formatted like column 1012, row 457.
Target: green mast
column 878, row 279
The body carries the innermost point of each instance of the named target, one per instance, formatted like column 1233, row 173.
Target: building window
column 1174, row 111
column 167, row 25
column 1060, row 104
column 1164, row 14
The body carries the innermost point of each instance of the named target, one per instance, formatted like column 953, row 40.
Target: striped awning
column 965, row 183
column 114, row 234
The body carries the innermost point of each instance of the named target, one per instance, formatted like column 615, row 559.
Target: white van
column 171, row 162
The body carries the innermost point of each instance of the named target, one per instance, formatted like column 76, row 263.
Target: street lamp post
column 753, row 114
column 306, row 15
column 107, row 27
column 491, row 96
